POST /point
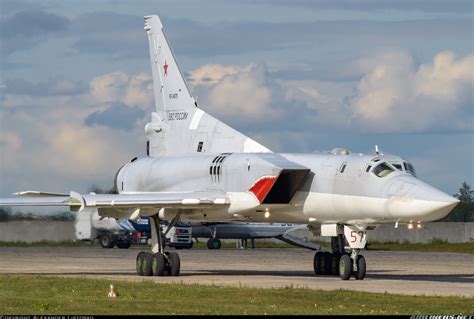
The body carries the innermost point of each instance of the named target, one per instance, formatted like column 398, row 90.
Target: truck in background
column 179, row 236
column 89, row 226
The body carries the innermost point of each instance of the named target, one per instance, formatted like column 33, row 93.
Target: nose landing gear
column 340, row 262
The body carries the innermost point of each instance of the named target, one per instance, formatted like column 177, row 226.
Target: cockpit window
column 382, row 170
column 397, row 166
column 409, row 168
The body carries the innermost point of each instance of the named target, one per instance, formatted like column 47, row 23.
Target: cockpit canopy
column 382, row 168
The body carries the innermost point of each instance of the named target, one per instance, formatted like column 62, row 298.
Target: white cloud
column 396, row 96
column 140, row 91
column 231, row 91
column 110, row 87
column 211, row 74
column 392, row 95
column 322, row 108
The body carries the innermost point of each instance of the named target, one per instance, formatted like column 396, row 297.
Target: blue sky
column 298, row 76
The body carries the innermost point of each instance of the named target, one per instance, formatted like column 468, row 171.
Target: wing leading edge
column 122, row 205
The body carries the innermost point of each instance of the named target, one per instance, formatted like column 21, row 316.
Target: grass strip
column 26, row 294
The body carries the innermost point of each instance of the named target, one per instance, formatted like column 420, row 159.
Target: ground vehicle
column 179, row 236
column 124, row 233
column 89, row 226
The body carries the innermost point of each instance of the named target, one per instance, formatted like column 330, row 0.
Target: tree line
column 464, row 211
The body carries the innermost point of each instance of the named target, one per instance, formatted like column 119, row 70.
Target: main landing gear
column 339, row 262
column 158, row 262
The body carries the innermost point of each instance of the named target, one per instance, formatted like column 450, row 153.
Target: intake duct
column 285, row 186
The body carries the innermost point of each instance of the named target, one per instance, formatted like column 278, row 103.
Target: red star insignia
column 166, row 68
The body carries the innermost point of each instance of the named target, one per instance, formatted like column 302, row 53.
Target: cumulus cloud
column 250, row 97
column 211, row 74
column 109, row 87
column 395, row 95
column 135, row 91
column 139, row 91
column 232, row 91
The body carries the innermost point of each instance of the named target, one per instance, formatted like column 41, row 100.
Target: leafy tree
column 465, row 193
column 464, row 211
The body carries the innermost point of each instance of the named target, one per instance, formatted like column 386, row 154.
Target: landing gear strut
column 158, row 262
column 339, row 262
column 214, row 242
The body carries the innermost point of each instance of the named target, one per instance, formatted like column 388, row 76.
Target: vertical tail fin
column 178, row 126
column 170, row 88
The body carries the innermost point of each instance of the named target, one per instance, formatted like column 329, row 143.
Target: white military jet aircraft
column 199, row 169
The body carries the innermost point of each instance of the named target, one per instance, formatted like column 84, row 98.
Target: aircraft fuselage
column 297, row 188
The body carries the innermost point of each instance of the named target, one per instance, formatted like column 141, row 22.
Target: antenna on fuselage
column 377, row 149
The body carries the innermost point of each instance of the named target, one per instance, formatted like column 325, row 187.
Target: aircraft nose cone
column 420, row 201
column 426, row 192
column 437, row 203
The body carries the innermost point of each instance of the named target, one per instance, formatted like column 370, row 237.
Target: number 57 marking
column 354, row 236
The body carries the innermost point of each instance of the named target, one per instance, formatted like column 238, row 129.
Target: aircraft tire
column 214, row 243
column 335, row 263
column 345, row 267
column 147, row 264
column 317, row 262
column 174, row 264
column 361, row 268
column 326, row 262
column 139, row 263
column 158, row 264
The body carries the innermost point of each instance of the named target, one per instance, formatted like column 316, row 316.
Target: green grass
column 61, row 295
column 434, row 246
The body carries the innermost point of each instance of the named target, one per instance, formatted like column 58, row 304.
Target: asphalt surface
column 411, row 273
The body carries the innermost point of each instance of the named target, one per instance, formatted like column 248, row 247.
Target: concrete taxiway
column 412, row 273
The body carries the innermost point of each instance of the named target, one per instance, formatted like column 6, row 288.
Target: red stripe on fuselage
column 262, row 186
